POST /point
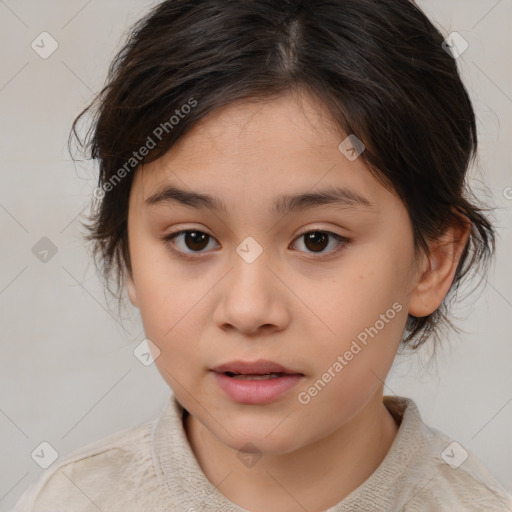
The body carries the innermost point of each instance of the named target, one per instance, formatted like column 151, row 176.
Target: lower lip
column 256, row 392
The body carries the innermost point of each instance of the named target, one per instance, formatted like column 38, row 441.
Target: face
column 321, row 288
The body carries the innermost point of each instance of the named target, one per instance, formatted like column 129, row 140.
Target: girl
column 282, row 193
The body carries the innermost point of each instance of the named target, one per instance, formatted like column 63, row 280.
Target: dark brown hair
column 377, row 65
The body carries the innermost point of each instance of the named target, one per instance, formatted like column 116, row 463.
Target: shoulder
column 102, row 473
column 444, row 475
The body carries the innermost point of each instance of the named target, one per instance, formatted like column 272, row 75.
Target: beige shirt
column 151, row 468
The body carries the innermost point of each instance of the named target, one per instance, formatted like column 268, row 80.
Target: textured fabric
column 151, row 468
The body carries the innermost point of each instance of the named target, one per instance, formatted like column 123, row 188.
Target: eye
column 195, row 240
column 317, row 240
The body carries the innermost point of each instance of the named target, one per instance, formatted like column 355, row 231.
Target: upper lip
column 260, row 367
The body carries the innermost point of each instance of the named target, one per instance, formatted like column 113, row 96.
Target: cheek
column 364, row 314
column 362, row 290
column 159, row 283
column 173, row 307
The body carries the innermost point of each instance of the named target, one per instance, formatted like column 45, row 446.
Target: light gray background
column 68, row 374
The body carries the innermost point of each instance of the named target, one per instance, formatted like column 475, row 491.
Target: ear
column 437, row 269
column 130, row 285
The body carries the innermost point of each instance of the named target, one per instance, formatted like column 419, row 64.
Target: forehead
column 254, row 151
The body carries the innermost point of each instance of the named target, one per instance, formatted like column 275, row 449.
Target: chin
column 257, row 439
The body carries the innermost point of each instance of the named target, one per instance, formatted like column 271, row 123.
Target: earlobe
column 437, row 272
column 132, row 294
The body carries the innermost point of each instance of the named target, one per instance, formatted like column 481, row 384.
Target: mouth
column 257, row 382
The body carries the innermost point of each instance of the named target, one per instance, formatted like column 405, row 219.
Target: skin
column 292, row 305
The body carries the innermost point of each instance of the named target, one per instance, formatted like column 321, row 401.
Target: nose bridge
column 250, row 250
column 250, row 272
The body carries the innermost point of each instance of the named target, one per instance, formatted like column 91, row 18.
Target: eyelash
column 343, row 242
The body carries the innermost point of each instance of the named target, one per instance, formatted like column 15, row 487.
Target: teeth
column 257, row 377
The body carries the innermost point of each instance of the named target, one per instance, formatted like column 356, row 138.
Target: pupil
column 317, row 239
column 196, row 237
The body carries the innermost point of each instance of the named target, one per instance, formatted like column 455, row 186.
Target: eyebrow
column 337, row 196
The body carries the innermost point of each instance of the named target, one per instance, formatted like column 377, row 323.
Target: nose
column 253, row 300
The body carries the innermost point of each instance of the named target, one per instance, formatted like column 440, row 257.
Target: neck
column 313, row 478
